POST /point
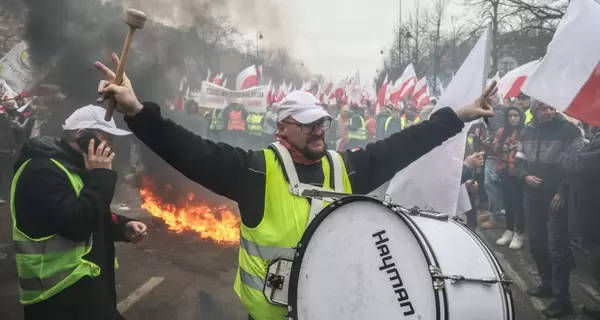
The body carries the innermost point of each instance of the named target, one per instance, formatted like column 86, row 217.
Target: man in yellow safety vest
column 275, row 216
column 63, row 230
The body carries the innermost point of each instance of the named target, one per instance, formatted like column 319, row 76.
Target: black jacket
column 235, row 173
column 46, row 204
column 542, row 148
column 584, row 182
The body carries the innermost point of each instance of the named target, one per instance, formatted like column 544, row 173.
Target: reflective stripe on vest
column 528, row 116
column 360, row 133
column 284, row 221
column 48, row 265
column 254, row 127
column 236, row 123
column 216, row 120
column 389, row 119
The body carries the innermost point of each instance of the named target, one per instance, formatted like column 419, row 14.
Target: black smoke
column 78, row 32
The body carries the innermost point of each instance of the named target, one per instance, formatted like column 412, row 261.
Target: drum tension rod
column 438, row 278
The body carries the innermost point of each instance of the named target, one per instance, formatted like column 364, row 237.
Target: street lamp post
column 259, row 36
column 399, row 34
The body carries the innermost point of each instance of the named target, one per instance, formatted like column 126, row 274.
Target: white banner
column 217, row 97
column 18, row 71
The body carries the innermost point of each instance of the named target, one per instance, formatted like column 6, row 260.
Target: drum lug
column 275, row 281
column 438, row 281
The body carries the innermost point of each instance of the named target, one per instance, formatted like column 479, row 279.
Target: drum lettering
column 402, row 294
column 392, row 271
column 381, row 239
column 409, row 312
column 383, row 250
column 385, row 265
column 396, row 278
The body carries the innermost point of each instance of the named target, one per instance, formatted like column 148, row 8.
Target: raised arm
column 216, row 166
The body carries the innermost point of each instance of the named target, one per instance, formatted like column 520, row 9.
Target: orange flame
column 218, row 224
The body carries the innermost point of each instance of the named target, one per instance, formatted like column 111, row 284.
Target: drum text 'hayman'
column 394, row 275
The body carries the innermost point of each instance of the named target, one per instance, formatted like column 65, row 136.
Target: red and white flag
column 248, row 78
column 218, row 79
column 421, row 88
column 404, row 85
column 338, row 91
column 354, row 89
column 510, row 85
column 270, row 95
column 382, row 94
column 568, row 77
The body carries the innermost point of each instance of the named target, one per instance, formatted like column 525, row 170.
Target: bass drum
column 364, row 259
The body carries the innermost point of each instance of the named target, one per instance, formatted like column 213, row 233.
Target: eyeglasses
column 324, row 125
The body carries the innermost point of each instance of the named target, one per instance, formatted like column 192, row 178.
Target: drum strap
column 296, row 187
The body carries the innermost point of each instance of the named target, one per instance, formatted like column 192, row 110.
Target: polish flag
column 218, row 79
column 423, row 101
column 421, row 88
column 404, row 85
column 270, row 97
column 382, row 94
column 338, row 91
column 248, row 78
column 353, row 90
column 510, row 85
column 568, row 77
column 306, row 86
column 326, row 90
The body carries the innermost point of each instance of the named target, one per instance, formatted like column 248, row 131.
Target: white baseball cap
column 92, row 117
column 301, row 106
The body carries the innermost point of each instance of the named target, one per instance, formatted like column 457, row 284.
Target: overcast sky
column 337, row 37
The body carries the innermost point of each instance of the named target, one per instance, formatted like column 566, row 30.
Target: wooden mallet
column 135, row 20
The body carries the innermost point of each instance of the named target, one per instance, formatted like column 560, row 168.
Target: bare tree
column 499, row 15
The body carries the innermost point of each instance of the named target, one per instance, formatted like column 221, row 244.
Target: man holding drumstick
column 273, row 219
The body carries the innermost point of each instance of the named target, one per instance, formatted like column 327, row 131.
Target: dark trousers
column 593, row 251
column 548, row 234
column 512, row 193
column 6, row 174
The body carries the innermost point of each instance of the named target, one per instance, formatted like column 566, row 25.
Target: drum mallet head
column 135, row 20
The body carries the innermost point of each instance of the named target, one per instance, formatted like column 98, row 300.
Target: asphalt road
column 170, row 276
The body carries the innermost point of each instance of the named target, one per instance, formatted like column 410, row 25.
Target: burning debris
column 215, row 223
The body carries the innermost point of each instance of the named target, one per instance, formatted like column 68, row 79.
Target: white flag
column 434, row 179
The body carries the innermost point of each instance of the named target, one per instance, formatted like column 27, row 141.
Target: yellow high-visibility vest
column 254, row 128
column 216, row 121
column 360, row 133
column 284, row 221
column 49, row 265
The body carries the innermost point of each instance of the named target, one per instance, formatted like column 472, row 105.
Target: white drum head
column 360, row 260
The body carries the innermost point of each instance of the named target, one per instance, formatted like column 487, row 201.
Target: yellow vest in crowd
column 261, row 245
column 254, row 127
column 360, row 133
column 216, row 122
column 49, row 265
column 528, row 116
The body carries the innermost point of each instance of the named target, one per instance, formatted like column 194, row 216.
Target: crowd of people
column 530, row 171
